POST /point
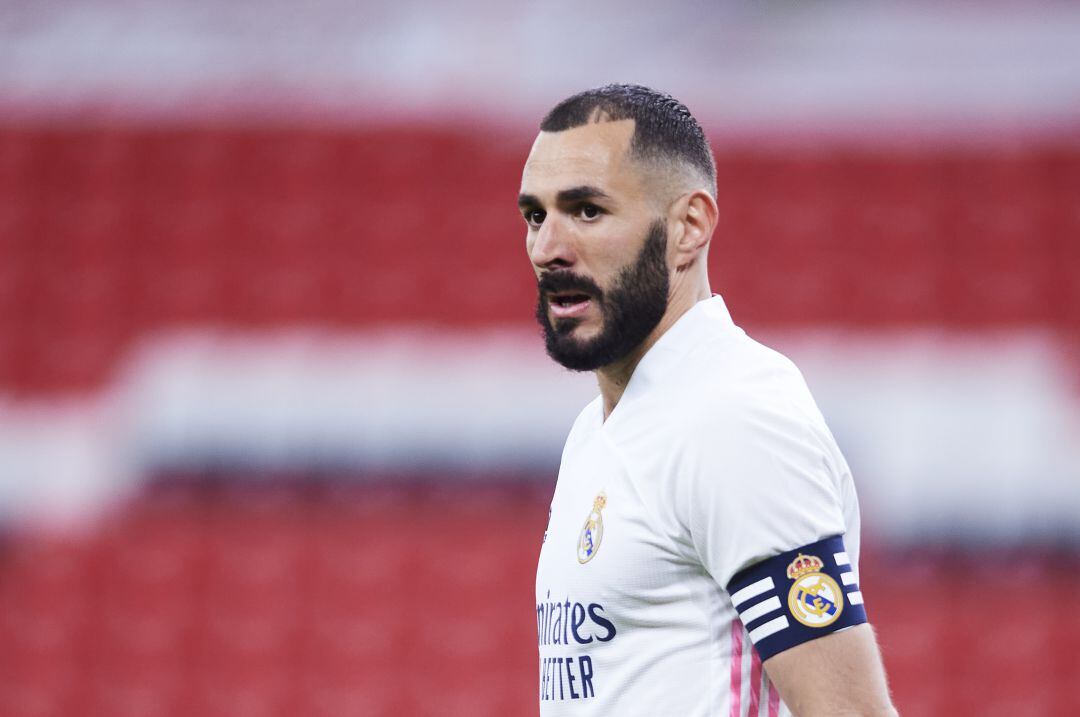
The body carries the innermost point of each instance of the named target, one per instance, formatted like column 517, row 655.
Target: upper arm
column 759, row 483
column 835, row 675
column 768, row 518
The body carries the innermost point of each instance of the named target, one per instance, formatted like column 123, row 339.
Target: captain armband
column 798, row 596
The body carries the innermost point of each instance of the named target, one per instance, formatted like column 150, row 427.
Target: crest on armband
column 815, row 599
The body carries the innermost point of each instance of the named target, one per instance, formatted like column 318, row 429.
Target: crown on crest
column 600, row 502
column 803, row 564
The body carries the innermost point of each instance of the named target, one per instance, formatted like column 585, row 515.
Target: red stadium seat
column 106, row 234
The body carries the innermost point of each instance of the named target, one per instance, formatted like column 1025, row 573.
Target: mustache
column 567, row 281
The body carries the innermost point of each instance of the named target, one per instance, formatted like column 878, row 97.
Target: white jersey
column 654, row 585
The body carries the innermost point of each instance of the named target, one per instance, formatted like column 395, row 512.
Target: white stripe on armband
column 769, row 628
column 762, row 608
column 752, row 590
column 842, row 559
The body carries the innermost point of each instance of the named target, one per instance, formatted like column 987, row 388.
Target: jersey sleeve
column 765, row 502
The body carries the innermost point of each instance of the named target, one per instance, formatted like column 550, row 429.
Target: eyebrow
column 566, row 196
column 577, row 194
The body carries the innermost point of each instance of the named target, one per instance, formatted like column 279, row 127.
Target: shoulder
column 748, row 426
column 756, row 468
column 737, row 383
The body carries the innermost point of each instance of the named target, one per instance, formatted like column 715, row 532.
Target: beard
column 629, row 310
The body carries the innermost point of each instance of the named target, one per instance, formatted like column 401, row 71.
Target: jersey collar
column 704, row 320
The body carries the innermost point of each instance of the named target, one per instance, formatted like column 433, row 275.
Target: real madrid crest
column 592, row 532
column 815, row 599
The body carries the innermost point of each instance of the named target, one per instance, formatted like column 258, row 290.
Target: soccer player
column 702, row 546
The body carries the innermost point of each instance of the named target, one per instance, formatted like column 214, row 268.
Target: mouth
column 568, row 304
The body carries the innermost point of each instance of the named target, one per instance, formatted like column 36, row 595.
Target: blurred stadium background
column 277, row 434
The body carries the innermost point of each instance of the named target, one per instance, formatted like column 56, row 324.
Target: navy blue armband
column 797, row 596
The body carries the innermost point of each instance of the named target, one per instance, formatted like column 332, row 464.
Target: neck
column 614, row 378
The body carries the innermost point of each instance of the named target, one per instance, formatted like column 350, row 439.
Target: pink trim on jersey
column 736, row 668
column 774, row 701
column 755, row 682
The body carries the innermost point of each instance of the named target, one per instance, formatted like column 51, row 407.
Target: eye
column 535, row 217
column 589, row 211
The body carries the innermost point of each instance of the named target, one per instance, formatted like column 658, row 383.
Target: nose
column 552, row 246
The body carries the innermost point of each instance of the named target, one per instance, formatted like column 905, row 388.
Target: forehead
column 594, row 154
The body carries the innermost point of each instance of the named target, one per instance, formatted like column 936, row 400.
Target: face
column 597, row 245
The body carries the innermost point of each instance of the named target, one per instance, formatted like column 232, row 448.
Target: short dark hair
column 664, row 129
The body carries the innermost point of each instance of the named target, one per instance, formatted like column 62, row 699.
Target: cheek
column 608, row 261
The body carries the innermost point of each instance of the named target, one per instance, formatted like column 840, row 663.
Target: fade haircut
column 664, row 129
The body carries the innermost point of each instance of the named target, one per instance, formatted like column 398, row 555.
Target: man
column 702, row 545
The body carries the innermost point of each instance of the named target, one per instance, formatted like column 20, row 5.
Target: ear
column 694, row 216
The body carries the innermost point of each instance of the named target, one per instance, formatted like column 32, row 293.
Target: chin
column 577, row 329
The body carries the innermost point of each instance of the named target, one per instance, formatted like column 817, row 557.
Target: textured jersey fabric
column 715, row 459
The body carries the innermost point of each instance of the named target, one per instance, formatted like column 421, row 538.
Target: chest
column 612, row 534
